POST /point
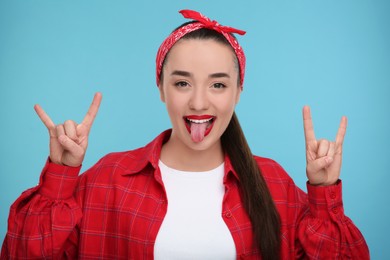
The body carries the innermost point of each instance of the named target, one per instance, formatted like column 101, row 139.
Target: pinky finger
column 342, row 130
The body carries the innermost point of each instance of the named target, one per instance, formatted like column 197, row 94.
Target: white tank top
column 193, row 227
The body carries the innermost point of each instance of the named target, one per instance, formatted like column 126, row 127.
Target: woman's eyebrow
column 219, row 75
column 181, row 73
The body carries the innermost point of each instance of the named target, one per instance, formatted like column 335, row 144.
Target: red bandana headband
column 201, row 22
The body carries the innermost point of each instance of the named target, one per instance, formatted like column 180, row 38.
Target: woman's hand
column 323, row 157
column 69, row 141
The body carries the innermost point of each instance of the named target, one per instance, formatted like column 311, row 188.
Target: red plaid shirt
column 115, row 209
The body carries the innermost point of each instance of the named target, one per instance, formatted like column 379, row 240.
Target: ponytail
column 256, row 196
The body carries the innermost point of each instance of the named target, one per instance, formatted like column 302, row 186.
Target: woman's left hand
column 323, row 157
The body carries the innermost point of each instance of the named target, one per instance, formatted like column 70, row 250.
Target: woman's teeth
column 199, row 121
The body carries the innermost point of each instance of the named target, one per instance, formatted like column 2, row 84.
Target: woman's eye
column 218, row 85
column 181, row 84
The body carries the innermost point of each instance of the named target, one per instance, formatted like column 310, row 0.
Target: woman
column 196, row 191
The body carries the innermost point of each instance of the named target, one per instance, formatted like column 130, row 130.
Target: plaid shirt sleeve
column 325, row 232
column 313, row 224
column 43, row 219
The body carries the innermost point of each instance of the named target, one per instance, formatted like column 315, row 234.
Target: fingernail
column 328, row 160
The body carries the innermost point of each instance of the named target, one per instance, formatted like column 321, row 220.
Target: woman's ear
column 162, row 95
column 238, row 94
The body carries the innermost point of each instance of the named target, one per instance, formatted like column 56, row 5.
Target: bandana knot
column 208, row 23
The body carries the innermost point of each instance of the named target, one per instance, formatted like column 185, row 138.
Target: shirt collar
column 147, row 155
column 150, row 155
column 229, row 170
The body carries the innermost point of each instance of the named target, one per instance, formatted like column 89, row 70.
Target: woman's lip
column 199, row 117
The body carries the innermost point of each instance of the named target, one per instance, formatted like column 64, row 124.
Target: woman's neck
column 177, row 155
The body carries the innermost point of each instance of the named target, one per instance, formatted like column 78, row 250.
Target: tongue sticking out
column 198, row 131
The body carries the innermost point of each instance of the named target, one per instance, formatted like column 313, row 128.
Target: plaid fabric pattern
column 115, row 209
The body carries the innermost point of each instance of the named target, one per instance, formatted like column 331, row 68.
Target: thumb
column 319, row 164
column 71, row 146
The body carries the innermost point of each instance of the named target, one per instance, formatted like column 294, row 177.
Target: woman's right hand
column 69, row 141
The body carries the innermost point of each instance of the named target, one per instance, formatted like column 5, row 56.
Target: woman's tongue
column 198, row 131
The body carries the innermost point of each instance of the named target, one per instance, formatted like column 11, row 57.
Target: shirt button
column 332, row 195
column 228, row 214
column 335, row 210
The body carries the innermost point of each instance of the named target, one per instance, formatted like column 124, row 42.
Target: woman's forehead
column 208, row 53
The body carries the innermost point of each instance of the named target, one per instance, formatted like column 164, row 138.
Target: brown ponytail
column 256, row 197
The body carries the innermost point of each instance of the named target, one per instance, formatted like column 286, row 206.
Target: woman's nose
column 199, row 99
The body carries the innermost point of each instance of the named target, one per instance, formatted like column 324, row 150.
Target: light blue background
column 332, row 55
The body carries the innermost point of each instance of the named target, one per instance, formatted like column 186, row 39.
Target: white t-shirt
column 193, row 227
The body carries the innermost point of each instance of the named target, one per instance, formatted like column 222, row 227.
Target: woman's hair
column 255, row 194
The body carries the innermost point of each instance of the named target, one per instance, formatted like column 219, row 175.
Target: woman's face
column 200, row 89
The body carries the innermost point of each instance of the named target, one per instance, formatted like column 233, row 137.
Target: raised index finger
column 92, row 111
column 308, row 125
column 46, row 120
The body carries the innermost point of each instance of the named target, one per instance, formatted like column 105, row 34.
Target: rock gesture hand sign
column 69, row 141
column 323, row 157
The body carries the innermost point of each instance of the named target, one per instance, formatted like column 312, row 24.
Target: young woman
column 196, row 191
